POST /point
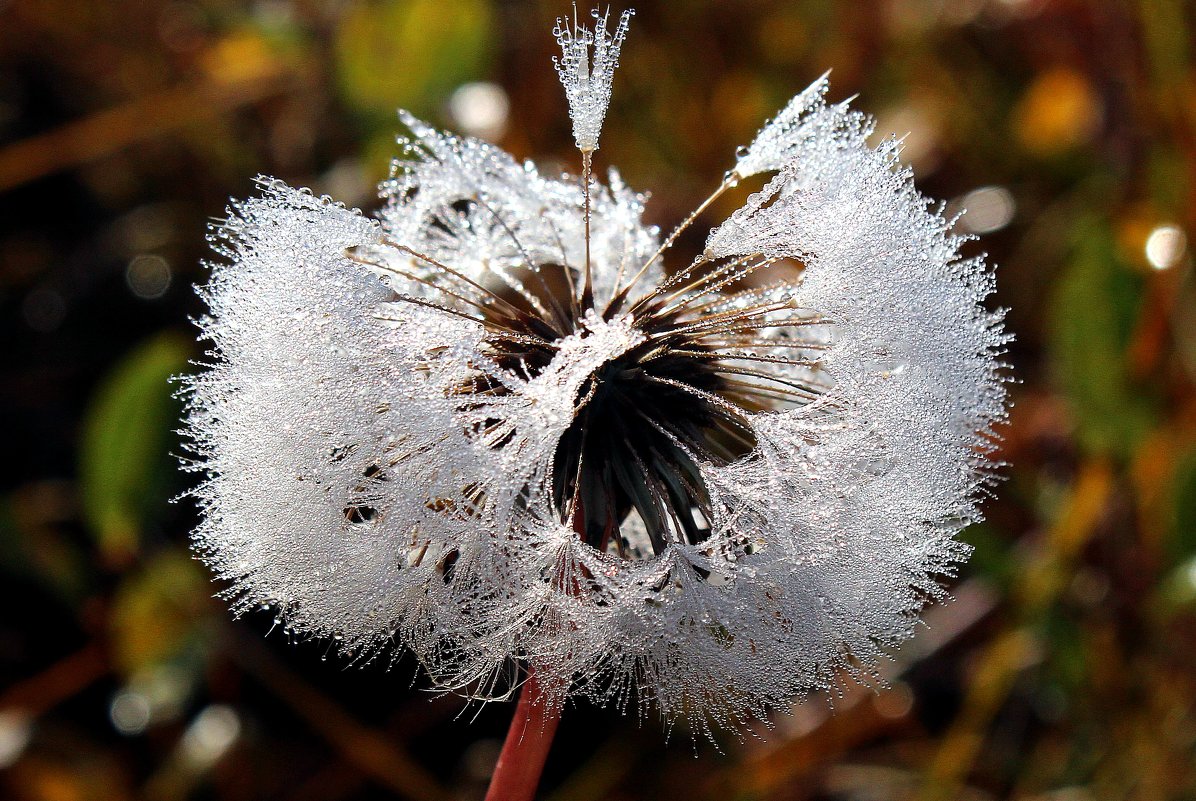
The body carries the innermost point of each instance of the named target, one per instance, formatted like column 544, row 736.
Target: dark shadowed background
column 1065, row 668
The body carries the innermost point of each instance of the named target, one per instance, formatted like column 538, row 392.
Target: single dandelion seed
column 586, row 68
column 490, row 427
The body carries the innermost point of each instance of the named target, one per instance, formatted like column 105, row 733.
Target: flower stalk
column 529, row 739
column 587, row 293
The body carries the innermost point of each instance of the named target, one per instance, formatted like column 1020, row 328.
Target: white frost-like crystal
column 586, row 68
column 712, row 491
column 779, row 140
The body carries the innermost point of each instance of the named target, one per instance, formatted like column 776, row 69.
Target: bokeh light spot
column 481, row 109
column 1165, row 246
column 1059, row 111
column 129, row 712
column 989, row 208
column 211, row 734
column 148, row 276
column 15, row 732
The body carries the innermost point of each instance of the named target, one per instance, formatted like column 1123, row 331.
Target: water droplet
column 880, row 465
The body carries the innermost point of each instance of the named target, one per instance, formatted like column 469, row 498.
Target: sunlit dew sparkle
column 504, row 426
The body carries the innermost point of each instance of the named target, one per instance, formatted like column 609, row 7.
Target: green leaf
column 1094, row 312
column 125, row 466
column 394, row 54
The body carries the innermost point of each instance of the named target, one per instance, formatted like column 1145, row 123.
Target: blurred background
column 1066, row 667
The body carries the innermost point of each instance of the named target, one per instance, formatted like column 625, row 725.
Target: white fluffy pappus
column 493, row 426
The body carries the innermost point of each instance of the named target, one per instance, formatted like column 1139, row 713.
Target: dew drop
column 879, row 466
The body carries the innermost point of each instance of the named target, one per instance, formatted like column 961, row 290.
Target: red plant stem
column 521, row 762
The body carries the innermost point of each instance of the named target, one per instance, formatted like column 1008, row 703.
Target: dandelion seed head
column 706, row 486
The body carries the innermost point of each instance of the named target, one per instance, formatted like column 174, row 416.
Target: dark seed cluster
column 646, row 418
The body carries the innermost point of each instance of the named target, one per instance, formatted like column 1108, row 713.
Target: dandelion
column 489, row 426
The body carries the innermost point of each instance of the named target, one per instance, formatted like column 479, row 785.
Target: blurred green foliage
column 156, row 614
column 411, row 54
column 1093, row 316
column 125, row 461
column 392, row 53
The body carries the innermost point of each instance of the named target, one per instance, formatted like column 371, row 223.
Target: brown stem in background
column 138, row 120
column 370, row 751
column 517, row 774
